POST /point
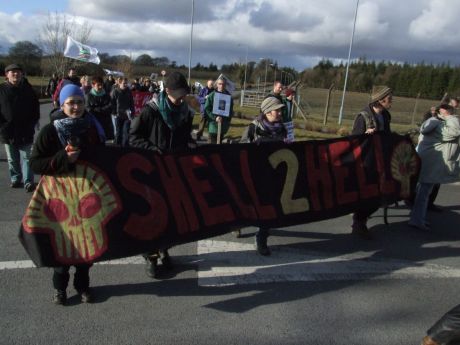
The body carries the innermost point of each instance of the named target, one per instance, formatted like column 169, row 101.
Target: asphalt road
column 320, row 286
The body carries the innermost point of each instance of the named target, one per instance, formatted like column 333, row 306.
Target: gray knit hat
column 380, row 92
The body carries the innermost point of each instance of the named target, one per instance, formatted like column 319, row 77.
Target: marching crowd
column 97, row 111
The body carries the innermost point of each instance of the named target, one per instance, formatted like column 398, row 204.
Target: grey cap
column 12, row 67
column 271, row 103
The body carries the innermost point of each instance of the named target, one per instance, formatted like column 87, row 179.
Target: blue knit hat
column 68, row 91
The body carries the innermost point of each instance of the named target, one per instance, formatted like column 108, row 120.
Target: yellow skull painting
column 74, row 210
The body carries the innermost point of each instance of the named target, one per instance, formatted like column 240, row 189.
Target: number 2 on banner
column 289, row 204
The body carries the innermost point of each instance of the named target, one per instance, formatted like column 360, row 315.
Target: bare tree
column 53, row 37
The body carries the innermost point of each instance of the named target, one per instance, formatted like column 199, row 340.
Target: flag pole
column 191, row 39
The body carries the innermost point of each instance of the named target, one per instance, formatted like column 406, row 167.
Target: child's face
column 73, row 106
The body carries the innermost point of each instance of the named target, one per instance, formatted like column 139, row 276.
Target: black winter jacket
column 19, row 113
column 49, row 156
column 150, row 131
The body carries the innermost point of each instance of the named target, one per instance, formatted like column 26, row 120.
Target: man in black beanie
column 164, row 125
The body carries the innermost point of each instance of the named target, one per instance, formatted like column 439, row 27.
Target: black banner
column 124, row 201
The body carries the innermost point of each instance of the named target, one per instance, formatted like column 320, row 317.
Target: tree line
column 410, row 80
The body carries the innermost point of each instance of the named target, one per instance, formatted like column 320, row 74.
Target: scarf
column 272, row 127
column 69, row 128
column 172, row 115
column 96, row 93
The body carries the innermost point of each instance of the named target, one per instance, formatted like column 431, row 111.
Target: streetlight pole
column 245, row 74
column 265, row 80
column 191, row 38
column 348, row 64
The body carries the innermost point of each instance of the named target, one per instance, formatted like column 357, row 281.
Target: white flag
column 82, row 52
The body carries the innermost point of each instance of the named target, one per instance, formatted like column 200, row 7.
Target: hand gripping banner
column 119, row 202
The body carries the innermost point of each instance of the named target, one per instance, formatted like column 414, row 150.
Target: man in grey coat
column 438, row 149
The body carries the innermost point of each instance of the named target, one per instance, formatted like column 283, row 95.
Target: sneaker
column 60, row 297
column 86, row 296
column 428, row 341
column 16, row 184
column 29, row 187
column 151, row 267
column 261, row 246
column 166, row 260
column 237, row 233
column 362, row 231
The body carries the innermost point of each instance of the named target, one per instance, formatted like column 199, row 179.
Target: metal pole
column 348, row 64
column 191, row 39
column 265, row 80
column 245, row 73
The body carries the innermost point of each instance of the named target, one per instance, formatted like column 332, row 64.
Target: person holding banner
column 219, row 112
column 55, row 152
column 268, row 126
column 99, row 103
column 164, row 125
column 375, row 117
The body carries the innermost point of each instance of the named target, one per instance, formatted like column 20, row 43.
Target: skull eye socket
column 89, row 205
column 56, row 210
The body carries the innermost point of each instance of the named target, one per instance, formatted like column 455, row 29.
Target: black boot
column 151, row 266
column 166, row 259
column 60, row 297
column 261, row 242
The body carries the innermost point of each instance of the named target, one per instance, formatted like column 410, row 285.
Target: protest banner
column 120, row 202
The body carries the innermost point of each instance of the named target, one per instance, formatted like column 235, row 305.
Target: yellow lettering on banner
column 288, row 204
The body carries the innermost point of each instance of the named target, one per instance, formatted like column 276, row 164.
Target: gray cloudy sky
column 296, row 33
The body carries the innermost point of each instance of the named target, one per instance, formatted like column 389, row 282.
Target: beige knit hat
column 269, row 104
column 380, row 92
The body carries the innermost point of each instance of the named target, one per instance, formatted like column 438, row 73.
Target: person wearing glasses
column 55, row 152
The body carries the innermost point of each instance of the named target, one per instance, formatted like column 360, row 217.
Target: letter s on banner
column 154, row 223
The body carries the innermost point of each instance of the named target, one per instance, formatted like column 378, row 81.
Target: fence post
column 415, row 109
column 326, row 110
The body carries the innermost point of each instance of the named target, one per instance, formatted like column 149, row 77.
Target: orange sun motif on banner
column 403, row 165
column 74, row 209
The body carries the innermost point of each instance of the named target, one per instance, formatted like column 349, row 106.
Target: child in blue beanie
column 55, row 152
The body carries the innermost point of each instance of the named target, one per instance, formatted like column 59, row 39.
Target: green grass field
column 406, row 112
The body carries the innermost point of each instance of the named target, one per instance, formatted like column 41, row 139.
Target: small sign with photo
column 221, row 104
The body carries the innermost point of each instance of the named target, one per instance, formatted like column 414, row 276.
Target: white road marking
column 222, row 263
column 233, row 263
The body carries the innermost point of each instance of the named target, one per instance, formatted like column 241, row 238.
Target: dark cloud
column 267, row 18
column 177, row 11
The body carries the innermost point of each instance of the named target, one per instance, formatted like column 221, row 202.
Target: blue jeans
column 418, row 213
column 122, row 131
column 18, row 163
column 114, row 123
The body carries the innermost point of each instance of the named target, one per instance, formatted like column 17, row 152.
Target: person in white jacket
column 438, row 149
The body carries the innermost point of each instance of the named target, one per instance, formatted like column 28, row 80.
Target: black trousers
column 61, row 277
